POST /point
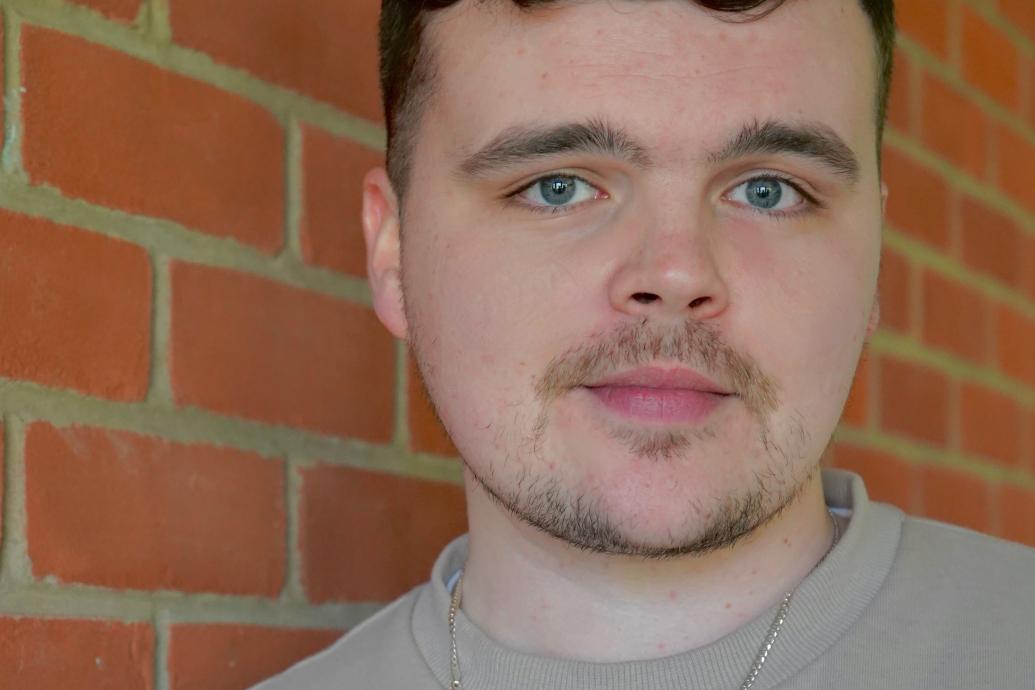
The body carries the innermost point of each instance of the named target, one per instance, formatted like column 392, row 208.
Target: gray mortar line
column 193, row 425
column 293, row 180
column 947, row 71
column 11, row 157
column 963, row 181
column 160, row 389
column 16, row 567
column 906, row 349
column 71, row 600
column 293, row 590
column 281, row 101
column 925, row 256
column 158, row 26
column 163, row 237
column 921, row 454
column 161, row 650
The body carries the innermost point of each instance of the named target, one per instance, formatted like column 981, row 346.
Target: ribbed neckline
column 824, row 606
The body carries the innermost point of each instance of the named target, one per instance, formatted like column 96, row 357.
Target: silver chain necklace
column 756, row 667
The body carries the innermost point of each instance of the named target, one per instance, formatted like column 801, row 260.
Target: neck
column 539, row 595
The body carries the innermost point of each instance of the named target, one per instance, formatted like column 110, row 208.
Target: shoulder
column 954, row 556
column 968, row 585
column 380, row 654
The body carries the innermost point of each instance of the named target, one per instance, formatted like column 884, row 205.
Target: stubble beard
column 581, row 520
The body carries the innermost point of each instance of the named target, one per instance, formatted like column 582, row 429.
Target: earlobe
column 381, row 233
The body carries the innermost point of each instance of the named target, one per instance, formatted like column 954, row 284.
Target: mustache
column 691, row 343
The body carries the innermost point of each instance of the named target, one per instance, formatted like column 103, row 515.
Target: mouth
column 660, row 396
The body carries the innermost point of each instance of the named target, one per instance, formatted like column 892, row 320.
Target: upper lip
column 661, row 377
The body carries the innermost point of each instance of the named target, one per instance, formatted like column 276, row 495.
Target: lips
column 654, row 394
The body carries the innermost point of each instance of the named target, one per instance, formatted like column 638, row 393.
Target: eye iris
column 764, row 192
column 557, row 190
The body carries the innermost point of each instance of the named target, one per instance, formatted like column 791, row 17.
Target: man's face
column 609, row 196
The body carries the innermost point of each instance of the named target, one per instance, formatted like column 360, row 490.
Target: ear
column 883, row 197
column 381, row 233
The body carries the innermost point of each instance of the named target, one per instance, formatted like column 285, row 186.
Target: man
column 634, row 246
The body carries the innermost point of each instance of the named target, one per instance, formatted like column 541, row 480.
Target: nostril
column 645, row 297
column 698, row 302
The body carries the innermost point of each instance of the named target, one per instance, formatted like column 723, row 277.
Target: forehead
column 676, row 74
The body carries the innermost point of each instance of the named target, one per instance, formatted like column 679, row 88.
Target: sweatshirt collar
column 825, row 605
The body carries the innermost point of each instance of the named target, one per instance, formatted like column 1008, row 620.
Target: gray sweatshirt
column 899, row 603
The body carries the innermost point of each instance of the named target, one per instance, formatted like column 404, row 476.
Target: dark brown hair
column 407, row 66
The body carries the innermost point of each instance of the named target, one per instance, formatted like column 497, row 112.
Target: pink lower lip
column 663, row 405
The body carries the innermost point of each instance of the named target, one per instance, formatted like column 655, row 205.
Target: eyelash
column 511, row 197
column 811, row 202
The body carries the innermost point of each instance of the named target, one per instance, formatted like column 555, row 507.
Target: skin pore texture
column 592, row 192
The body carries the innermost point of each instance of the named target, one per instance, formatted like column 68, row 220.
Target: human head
column 407, row 63
column 667, row 124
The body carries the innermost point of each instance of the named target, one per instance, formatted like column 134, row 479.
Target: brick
column 888, row 479
column 119, row 510
column 991, row 242
column 954, row 127
column 235, row 657
column 1017, row 514
column 899, row 101
column 958, row 497
column 122, row 10
column 116, row 131
column 326, row 49
column 914, row 401
column 990, row 60
column 368, row 536
column 427, row 434
column 955, row 317
column 332, row 232
column 249, row 347
column 856, row 412
column 896, row 292
column 1015, row 343
column 907, row 182
column 925, row 22
column 1015, row 173
column 54, row 654
column 1020, row 13
column 75, row 308
column 990, row 425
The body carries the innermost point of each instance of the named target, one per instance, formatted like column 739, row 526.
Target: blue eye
column 557, row 192
column 764, row 193
column 767, row 193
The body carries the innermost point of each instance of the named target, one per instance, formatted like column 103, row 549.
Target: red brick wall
column 211, row 449
column 942, row 418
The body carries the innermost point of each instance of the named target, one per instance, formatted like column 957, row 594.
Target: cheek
column 481, row 310
column 807, row 310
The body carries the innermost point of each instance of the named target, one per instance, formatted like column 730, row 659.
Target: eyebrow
column 526, row 143
column 815, row 141
column 522, row 144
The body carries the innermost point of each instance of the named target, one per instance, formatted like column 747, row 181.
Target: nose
column 670, row 273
